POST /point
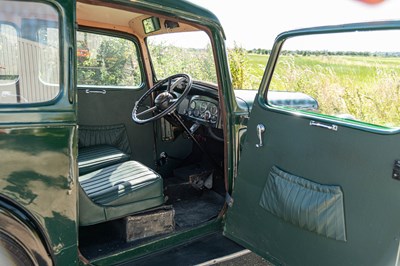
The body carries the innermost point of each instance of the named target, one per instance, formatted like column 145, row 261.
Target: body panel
column 37, row 174
column 38, row 152
column 362, row 168
column 355, row 159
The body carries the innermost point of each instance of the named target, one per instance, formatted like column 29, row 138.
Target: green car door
column 38, row 132
column 318, row 177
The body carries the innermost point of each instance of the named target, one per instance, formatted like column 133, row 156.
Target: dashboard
column 201, row 108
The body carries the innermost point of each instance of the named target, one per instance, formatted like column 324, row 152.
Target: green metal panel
column 357, row 158
column 38, row 174
column 358, row 161
column 38, row 153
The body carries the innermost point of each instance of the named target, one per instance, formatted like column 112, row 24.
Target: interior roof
column 105, row 14
column 113, row 18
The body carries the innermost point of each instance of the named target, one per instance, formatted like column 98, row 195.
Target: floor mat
column 198, row 210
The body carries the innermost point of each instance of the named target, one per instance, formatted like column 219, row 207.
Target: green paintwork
column 36, row 175
column 363, row 169
column 357, row 158
column 38, row 156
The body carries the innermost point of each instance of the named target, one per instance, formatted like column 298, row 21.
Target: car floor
column 192, row 206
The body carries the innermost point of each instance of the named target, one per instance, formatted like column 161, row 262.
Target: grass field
column 367, row 88
column 257, row 64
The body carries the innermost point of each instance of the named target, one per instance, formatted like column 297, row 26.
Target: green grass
column 257, row 64
column 362, row 68
column 367, row 88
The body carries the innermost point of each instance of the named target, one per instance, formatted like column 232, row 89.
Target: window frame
column 121, row 35
column 273, row 60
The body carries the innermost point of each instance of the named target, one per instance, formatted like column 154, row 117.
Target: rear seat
column 96, row 157
column 117, row 191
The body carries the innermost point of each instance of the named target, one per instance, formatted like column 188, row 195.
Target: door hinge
column 228, row 200
column 396, row 170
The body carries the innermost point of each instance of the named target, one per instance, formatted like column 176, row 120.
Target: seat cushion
column 123, row 183
column 96, row 157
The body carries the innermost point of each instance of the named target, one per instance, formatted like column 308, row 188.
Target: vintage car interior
column 150, row 157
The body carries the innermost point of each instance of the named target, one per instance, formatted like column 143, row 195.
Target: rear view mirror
column 151, row 24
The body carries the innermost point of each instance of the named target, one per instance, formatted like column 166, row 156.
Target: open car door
column 318, row 178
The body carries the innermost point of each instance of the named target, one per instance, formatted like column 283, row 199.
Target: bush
column 239, row 67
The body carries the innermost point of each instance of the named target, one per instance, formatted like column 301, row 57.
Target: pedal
column 163, row 159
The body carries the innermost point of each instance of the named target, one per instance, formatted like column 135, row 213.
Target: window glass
column 29, row 52
column 9, row 55
column 183, row 52
column 48, row 61
column 107, row 61
column 353, row 77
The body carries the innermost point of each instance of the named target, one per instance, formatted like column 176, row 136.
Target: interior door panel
column 357, row 161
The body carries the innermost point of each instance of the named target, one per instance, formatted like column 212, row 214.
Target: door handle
column 260, row 131
column 96, row 91
column 318, row 124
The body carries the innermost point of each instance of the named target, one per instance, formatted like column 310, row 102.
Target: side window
column 352, row 77
column 29, row 53
column 107, row 61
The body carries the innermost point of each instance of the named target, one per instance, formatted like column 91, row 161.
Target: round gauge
column 213, row 110
column 193, row 105
column 207, row 115
column 203, row 107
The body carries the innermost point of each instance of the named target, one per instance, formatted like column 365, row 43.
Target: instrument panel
column 203, row 109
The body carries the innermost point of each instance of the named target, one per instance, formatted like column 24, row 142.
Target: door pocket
column 315, row 207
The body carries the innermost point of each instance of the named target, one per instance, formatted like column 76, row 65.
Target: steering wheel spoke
column 173, row 101
column 169, row 84
column 166, row 101
column 151, row 109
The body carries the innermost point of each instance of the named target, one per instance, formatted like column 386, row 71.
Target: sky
column 256, row 23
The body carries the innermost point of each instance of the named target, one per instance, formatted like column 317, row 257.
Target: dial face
column 213, row 110
column 203, row 107
column 193, row 105
column 213, row 119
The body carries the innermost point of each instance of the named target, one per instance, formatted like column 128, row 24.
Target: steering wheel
column 166, row 101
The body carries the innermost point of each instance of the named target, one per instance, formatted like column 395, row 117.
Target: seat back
column 112, row 135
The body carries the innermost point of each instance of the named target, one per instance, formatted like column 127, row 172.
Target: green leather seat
column 117, row 191
column 99, row 156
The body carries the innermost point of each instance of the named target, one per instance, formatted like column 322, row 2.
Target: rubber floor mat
column 198, row 210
